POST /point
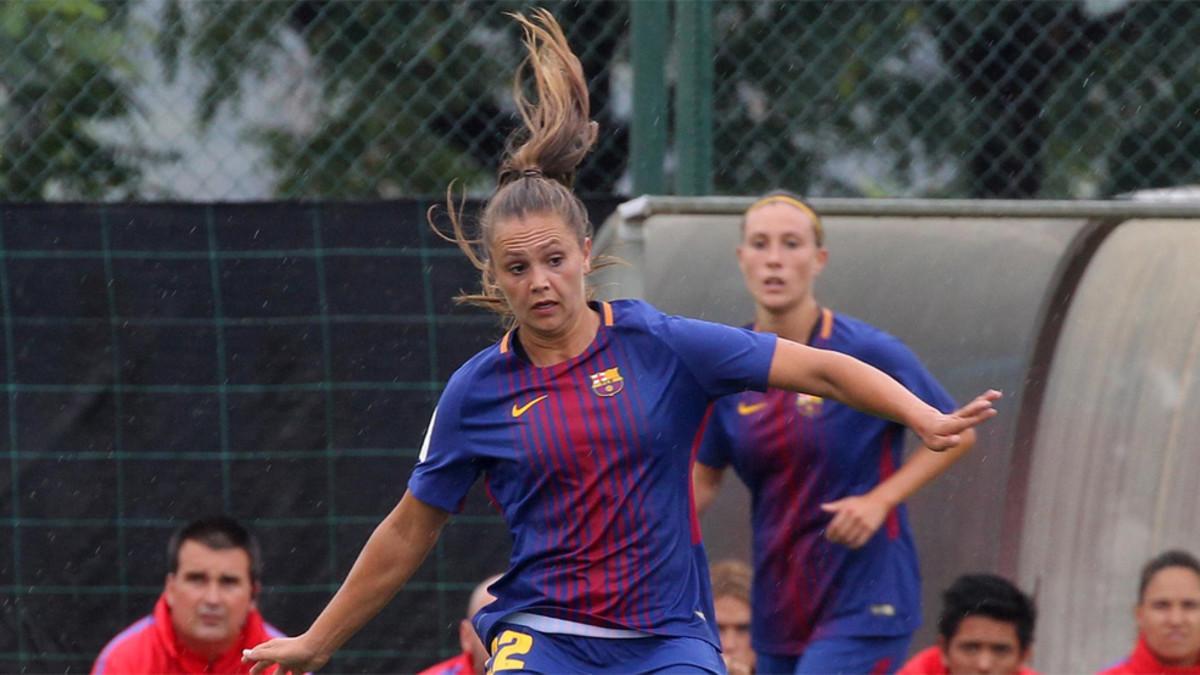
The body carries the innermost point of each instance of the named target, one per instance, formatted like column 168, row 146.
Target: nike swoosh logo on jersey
column 751, row 408
column 517, row 411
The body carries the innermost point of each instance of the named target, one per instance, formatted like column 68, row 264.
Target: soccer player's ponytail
column 541, row 157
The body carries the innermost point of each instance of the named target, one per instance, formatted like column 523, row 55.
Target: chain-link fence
column 231, row 100
column 958, row 98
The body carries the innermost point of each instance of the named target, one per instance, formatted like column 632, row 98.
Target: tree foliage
column 412, row 94
column 63, row 75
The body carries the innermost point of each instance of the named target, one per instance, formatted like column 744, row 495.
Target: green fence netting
column 214, row 100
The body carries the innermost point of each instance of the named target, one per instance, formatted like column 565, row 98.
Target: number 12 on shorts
column 507, row 645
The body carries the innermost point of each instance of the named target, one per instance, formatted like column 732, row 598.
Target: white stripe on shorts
column 548, row 624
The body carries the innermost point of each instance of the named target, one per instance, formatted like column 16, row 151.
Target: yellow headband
column 791, row 201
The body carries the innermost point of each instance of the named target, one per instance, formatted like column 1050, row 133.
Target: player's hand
column 939, row 431
column 294, row 656
column 855, row 519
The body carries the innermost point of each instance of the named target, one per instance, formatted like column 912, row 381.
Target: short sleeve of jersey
column 447, row 468
column 724, row 360
column 893, row 357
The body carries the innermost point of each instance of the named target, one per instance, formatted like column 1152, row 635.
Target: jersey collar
column 507, row 346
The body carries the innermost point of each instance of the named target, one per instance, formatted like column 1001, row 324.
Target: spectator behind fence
column 473, row 658
column 986, row 626
column 827, row 483
column 1168, row 618
column 206, row 614
column 731, row 580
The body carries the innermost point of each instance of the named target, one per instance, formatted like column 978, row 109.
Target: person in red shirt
column 986, row 626
column 473, row 659
column 206, row 614
column 1168, row 618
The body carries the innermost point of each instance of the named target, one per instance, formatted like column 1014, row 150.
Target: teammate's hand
column 294, row 656
column 855, row 519
column 940, row 431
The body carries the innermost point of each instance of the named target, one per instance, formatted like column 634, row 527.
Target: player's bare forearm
column 829, row 374
column 922, row 467
column 392, row 554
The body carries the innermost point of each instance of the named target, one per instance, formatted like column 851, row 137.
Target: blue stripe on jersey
column 589, row 462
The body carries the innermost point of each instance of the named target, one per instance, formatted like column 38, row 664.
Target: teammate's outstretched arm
column 393, row 553
column 830, row 374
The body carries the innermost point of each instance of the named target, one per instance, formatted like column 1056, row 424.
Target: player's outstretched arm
column 830, row 374
column 396, row 548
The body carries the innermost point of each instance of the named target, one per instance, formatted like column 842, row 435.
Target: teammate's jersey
column 589, row 461
column 796, row 452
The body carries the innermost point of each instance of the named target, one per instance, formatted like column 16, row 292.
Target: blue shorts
column 840, row 655
column 517, row 650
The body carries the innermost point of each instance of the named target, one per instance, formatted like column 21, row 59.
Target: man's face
column 1168, row 616
column 983, row 645
column 210, row 595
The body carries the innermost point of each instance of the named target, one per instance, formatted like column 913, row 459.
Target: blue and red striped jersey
column 795, row 452
column 589, row 461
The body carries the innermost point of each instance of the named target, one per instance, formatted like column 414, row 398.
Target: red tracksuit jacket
column 1142, row 662
column 150, row 646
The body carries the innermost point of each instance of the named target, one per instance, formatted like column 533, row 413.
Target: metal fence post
column 694, row 97
column 648, row 135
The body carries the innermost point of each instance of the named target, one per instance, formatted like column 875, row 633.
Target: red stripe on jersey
column 692, row 517
column 575, row 448
column 563, row 471
column 798, row 467
column 630, row 402
column 887, row 467
column 612, row 579
column 534, row 440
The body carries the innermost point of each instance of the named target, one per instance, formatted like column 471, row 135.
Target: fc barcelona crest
column 607, row 382
column 808, row 405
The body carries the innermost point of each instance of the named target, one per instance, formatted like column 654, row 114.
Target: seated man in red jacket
column 986, row 626
column 1168, row 618
column 206, row 614
column 473, row 659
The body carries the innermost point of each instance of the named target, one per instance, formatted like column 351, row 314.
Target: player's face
column 540, row 266
column 984, row 645
column 733, row 623
column 1168, row 616
column 779, row 256
column 210, row 595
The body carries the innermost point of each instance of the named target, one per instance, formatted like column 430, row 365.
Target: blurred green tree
column 412, row 94
column 830, row 99
column 63, row 77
